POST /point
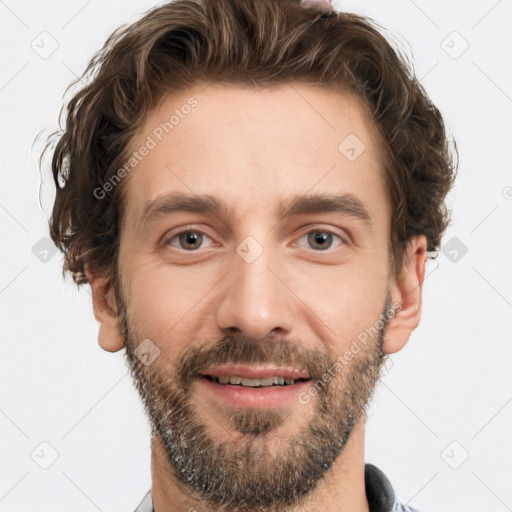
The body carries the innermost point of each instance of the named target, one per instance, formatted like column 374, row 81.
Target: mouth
column 243, row 392
column 253, row 383
column 256, row 373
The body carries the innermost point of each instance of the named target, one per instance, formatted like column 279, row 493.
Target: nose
column 256, row 300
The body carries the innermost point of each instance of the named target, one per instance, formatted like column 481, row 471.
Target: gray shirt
column 379, row 493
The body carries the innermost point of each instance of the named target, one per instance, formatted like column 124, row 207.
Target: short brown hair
column 256, row 43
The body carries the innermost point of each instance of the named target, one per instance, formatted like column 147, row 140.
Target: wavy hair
column 257, row 43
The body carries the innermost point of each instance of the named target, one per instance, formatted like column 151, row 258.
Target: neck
column 342, row 489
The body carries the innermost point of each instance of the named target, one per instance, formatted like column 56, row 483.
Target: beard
column 235, row 469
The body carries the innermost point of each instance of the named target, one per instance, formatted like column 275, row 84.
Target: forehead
column 255, row 148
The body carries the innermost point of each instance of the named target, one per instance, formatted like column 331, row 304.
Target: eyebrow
column 346, row 204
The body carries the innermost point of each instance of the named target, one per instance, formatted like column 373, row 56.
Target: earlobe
column 406, row 293
column 105, row 311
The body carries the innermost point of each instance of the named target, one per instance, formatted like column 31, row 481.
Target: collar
column 379, row 492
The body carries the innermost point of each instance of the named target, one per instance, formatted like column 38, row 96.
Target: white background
column 448, row 395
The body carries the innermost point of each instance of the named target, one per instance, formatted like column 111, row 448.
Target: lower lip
column 262, row 397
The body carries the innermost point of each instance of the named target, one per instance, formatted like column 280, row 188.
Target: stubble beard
column 235, row 470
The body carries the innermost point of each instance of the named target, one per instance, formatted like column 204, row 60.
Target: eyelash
column 318, row 230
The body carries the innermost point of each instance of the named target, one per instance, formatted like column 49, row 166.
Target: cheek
column 346, row 299
column 337, row 302
column 164, row 300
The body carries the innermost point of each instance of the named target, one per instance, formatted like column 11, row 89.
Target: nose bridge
column 255, row 301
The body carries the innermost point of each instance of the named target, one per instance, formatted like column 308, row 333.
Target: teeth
column 278, row 381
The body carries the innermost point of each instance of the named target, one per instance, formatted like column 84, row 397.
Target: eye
column 320, row 239
column 189, row 240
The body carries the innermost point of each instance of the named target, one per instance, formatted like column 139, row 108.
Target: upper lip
column 253, row 372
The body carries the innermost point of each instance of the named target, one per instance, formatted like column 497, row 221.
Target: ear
column 105, row 311
column 406, row 290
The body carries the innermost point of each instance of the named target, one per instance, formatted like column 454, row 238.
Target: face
column 252, row 237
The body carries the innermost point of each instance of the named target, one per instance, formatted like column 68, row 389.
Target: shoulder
column 146, row 505
column 403, row 508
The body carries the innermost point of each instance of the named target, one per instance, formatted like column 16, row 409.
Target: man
column 251, row 189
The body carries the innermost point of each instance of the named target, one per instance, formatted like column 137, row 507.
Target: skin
column 296, row 303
